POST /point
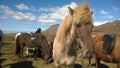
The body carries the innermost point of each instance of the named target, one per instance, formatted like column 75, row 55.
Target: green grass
column 9, row 60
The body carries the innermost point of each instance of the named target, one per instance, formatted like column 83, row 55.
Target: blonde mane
column 82, row 13
column 64, row 28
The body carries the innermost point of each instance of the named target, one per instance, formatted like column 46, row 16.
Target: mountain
column 51, row 31
column 114, row 23
column 109, row 27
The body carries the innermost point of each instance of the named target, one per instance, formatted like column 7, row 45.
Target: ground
column 10, row 60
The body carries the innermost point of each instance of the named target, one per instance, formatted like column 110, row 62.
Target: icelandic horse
column 107, row 48
column 76, row 26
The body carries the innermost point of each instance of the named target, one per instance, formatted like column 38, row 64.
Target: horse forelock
column 82, row 14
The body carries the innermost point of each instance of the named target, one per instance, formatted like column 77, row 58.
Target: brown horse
column 42, row 45
column 113, row 55
column 22, row 40
column 76, row 26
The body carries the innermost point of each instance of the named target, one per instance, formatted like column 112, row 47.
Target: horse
column 107, row 48
column 42, row 45
column 22, row 40
column 1, row 39
column 77, row 25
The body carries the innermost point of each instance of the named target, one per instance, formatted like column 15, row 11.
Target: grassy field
column 9, row 60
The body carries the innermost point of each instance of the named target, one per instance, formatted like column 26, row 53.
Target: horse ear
column 91, row 12
column 70, row 10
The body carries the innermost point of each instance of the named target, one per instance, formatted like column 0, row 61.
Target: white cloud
column 103, row 12
column 55, row 13
column 108, row 16
column 8, row 13
column 97, row 23
column 43, row 19
column 115, row 8
column 26, row 16
column 118, row 18
column 22, row 6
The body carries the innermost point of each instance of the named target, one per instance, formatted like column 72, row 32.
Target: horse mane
column 64, row 28
column 81, row 12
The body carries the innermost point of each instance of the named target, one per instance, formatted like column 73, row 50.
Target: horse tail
column 17, row 47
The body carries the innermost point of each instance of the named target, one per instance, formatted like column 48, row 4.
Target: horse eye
column 87, row 23
column 78, row 25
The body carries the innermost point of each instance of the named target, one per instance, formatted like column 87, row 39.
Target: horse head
column 83, row 23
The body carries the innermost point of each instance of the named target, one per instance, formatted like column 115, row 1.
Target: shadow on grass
column 77, row 66
column 23, row 64
column 101, row 66
column 1, row 60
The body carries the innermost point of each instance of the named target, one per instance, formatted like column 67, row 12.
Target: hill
column 51, row 31
column 109, row 27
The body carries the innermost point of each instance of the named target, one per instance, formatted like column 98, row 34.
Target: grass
column 9, row 60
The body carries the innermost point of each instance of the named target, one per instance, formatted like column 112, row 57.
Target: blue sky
column 28, row 15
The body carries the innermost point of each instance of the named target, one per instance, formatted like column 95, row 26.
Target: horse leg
column 57, row 65
column 97, row 61
column 118, row 65
column 82, row 62
column 36, row 53
column 89, row 59
column 27, row 51
column 21, row 51
column 70, row 66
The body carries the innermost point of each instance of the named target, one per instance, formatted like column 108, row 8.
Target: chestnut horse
column 76, row 26
column 114, row 54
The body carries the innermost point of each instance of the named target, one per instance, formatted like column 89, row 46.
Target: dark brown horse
column 42, row 45
column 1, row 39
column 107, row 49
column 22, row 40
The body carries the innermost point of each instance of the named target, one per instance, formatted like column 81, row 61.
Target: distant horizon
column 6, row 32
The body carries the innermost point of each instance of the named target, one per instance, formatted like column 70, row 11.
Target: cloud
column 103, row 12
column 51, row 15
column 8, row 13
column 24, row 16
column 108, row 16
column 5, row 11
column 22, row 6
column 115, row 8
column 97, row 23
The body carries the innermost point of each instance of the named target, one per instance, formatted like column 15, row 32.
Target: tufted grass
column 10, row 60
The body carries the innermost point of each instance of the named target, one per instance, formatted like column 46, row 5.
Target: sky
column 28, row 15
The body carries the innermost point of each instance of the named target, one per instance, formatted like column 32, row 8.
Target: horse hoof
column 36, row 59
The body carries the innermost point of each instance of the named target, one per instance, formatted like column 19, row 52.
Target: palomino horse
column 22, row 40
column 76, row 26
column 42, row 45
column 113, row 54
